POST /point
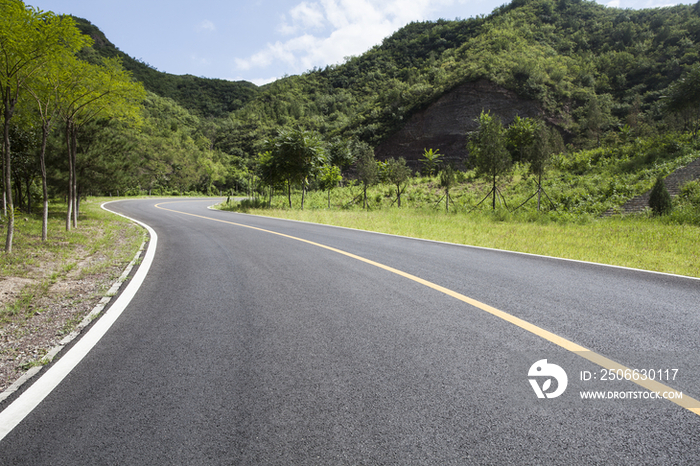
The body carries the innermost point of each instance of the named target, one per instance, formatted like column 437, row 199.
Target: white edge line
column 576, row 261
column 30, row 399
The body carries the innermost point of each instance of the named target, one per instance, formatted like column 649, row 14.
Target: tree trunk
column 74, row 140
column 8, row 178
column 494, row 193
column 29, row 195
column 18, row 195
column 44, row 187
column 539, row 192
column 69, row 199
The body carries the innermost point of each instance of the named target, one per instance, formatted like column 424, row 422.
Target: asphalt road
column 293, row 344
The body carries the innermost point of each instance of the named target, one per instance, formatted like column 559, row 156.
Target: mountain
column 591, row 70
column 595, row 73
column 202, row 96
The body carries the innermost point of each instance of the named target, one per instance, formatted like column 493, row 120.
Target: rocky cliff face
column 444, row 124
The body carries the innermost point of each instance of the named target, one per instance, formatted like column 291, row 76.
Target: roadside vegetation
column 578, row 188
column 102, row 247
column 48, row 287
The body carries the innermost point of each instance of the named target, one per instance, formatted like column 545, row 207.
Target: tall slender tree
column 447, row 180
column 29, row 39
column 397, row 173
column 45, row 88
column 367, row 168
column 487, row 151
column 97, row 91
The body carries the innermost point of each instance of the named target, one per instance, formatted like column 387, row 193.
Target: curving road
column 261, row 341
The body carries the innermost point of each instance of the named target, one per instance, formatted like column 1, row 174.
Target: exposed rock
column 444, row 124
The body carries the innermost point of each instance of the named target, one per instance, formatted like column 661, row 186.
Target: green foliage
column 520, row 136
column 367, row 169
column 488, row 152
column 690, row 193
column 397, row 173
column 684, row 98
column 580, row 199
column 297, row 155
column 618, row 85
column 30, row 40
column 659, row 199
column 431, row 160
column 447, row 180
column 203, row 97
column 329, row 178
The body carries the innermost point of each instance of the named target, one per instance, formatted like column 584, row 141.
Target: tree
column 299, row 154
column 29, row 39
column 447, row 180
column 594, row 121
column 329, row 178
column 532, row 142
column 341, row 153
column 397, row 173
column 96, row 91
column 684, row 98
column 520, row 136
column 45, row 89
column 660, row 199
column 269, row 172
column 488, row 152
column 545, row 142
column 367, row 169
column 431, row 160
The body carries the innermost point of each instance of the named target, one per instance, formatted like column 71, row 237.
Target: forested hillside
column 202, row 96
column 592, row 68
column 602, row 83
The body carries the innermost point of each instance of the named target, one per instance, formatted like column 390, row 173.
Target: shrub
column 660, row 200
column 690, row 193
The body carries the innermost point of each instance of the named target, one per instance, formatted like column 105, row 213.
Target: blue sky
column 261, row 40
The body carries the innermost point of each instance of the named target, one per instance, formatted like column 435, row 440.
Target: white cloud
column 326, row 31
column 304, row 16
column 206, row 25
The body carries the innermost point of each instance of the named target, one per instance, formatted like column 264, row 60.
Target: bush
column 660, row 200
column 690, row 193
column 244, row 205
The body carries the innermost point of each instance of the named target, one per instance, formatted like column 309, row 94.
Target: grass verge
column 634, row 241
column 101, row 244
column 46, row 288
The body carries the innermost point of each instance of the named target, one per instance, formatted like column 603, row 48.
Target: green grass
column 635, row 241
column 53, row 260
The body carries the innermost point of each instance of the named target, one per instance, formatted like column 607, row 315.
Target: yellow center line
column 681, row 399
